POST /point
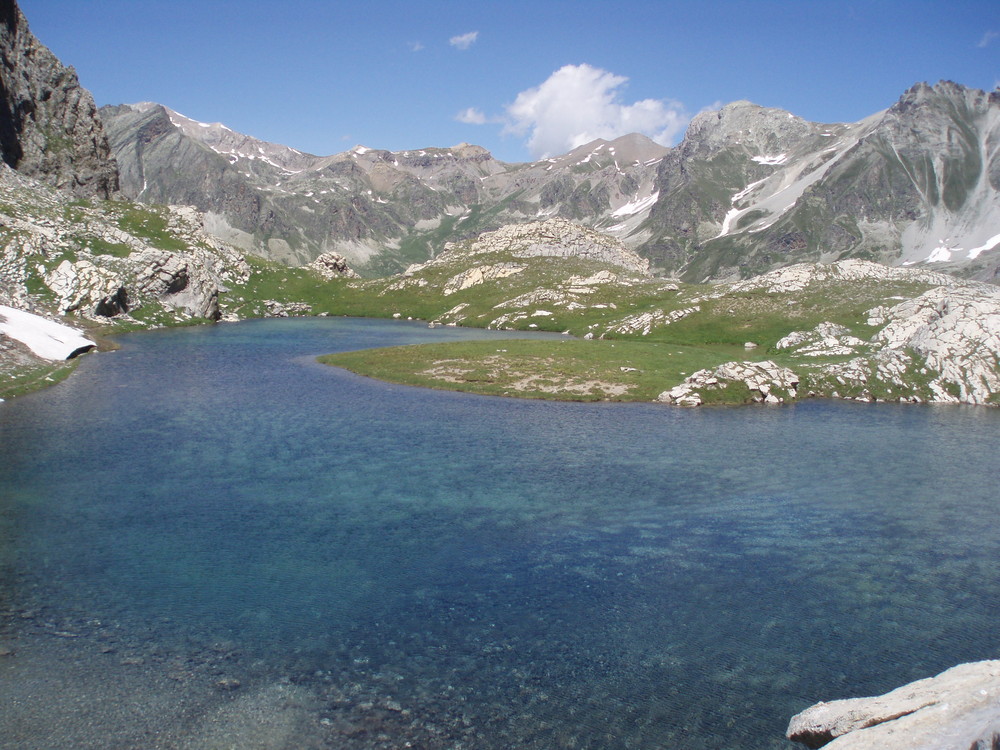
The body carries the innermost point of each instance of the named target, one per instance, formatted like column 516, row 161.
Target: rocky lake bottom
column 208, row 540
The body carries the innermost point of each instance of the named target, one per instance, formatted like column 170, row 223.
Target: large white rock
column 479, row 275
column 957, row 330
column 958, row 709
column 82, row 285
column 767, row 382
column 331, row 265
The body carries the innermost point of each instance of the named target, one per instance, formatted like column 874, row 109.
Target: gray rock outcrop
column 331, row 265
column 49, row 126
column 102, row 261
column 957, row 331
column 958, row 709
column 554, row 238
column 766, row 382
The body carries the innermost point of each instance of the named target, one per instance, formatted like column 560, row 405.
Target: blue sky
column 524, row 78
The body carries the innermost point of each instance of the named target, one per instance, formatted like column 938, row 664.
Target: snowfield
column 46, row 338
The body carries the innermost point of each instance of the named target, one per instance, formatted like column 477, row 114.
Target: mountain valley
column 141, row 217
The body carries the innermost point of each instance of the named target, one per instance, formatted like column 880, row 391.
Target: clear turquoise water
column 521, row 574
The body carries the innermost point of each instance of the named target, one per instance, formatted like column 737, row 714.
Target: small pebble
column 228, row 683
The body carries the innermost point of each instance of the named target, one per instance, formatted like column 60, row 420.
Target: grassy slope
column 569, row 369
column 615, row 365
column 19, row 380
column 619, row 366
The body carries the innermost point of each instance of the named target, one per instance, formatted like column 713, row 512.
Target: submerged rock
column 959, row 708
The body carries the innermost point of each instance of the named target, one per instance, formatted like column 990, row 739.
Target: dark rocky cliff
column 49, row 128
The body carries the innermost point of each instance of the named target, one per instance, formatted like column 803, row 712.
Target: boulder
column 957, row 331
column 331, row 265
column 958, row 709
column 767, row 382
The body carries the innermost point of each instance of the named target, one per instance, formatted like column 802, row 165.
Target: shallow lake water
column 207, row 539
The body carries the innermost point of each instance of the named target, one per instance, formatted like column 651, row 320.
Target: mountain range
column 748, row 189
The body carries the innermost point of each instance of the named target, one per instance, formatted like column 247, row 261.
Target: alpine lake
column 210, row 540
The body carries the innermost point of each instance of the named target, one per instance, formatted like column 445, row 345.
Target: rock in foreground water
column 959, row 708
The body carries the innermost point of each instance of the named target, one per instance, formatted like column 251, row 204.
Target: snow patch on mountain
column 781, row 192
column 771, row 160
column 235, row 146
column 637, row 205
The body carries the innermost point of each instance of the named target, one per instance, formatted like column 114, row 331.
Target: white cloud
column 579, row 103
column 472, row 116
column 416, row 46
column 464, row 41
column 987, row 39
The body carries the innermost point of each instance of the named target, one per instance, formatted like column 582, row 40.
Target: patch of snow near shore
column 46, row 338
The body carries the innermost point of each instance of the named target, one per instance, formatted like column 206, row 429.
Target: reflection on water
column 458, row 571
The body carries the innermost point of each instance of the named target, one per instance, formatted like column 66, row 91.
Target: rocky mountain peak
column 469, row 151
column 49, row 128
column 633, row 148
column 939, row 145
column 745, row 125
column 925, row 94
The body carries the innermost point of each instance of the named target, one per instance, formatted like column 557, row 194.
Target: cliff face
column 49, row 127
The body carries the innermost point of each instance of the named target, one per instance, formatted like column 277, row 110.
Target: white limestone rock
column 766, row 381
column 644, row 323
column 797, row 277
column 957, row 330
column 556, row 297
column 825, row 340
column 82, row 285
column 480, row 274
column 681, row 395
column 956, row 710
